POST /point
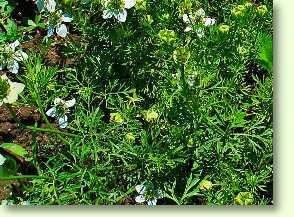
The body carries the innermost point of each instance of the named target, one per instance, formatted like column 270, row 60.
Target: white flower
column 10, row 90
column 50, row 5
column 200, row 13
column 141, row 189
column 14, row 56
column 209, row 21
column 199, row 32
column 60, row 28
column 129, row 3
column 187, row 29
column 2, row 159
column 60, row 109
column 186, row 18
column 119, row 14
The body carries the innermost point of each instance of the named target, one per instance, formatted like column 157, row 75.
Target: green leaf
column 266, row 51
column 31, row 23
column 14, row 148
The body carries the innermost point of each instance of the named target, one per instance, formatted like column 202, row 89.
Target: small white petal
column 129, row 3
column 15, row 89
column 70, row 103
column 152, row 202
column 20, row 56
column 187, row 29
column 209, row 21
column 58, row 101
column 107, row 14
column 52, row 112
column 186, row 18
column 61, row 30
column 140, row 199
column 200, row 32
column 51, row 5
column 14, row 45
column 66, row 18
column 2, row 66
column 200, row 13
column 25, row 203
column 140, row 189
column 2, row 159
column 13, row 66
column 122, row 16
column 62, row 121
column 50, row 31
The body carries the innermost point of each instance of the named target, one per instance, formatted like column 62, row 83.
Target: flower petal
column 70, row 103
column 16, row 87
column 50, row 31
column 61, row 30
column 51, row 5
column 152, row 202
column 129, row 3
column 121, row 16
column 200, row 13
column 186, row 18
column 209, row 21
column 140, row 189
column 62, row 121
column 107, row 14
column 57, row 101
column 52, row 112
column 66, row 18
column 14, row 45
column 187, row 29
column 13, row 66
column 200, row 32
column 20, row 56
column 140, row 198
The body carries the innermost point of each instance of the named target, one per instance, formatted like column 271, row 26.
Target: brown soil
column 53, row 55
column 11, row 132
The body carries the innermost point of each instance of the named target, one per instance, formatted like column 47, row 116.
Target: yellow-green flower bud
column 224, row 28
column 167, row 35
column 116, row 117
column 151, row 116
column 181, row 55
column 205, row 185
column 141, row 5
column 242, row 50
column 130, row 137
column 239, row 10
column 262, row 10
column 244, row 198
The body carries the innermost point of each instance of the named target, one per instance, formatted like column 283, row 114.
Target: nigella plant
column 59, row 111
column 117, row 9
column 56, row 18
column 10, row 56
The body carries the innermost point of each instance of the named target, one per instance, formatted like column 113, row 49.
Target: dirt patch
column 24, row 10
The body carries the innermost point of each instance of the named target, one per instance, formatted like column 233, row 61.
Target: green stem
column 50, row 130
column 22, row 177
